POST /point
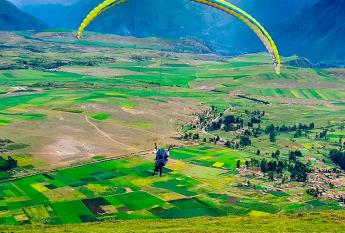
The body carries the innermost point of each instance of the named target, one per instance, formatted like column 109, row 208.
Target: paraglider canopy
column 223, row 5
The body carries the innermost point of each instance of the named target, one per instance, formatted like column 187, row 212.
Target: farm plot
column 311, row 94
column 211, row 156
column 125, row 189
column 336, row 136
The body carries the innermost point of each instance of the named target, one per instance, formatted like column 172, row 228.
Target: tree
column 8, row 164
column 247, row 133
column 294, row 154
column 276, row 154
column 311, row 126
column 11, row 163
column 338, row 157
column 245, row 141
column 314, row 192
column 196, row 136
column 298, row 153
column 298, row 133
column 272, row 166
column 292, row 157
column 299, row 171
column 255, row 162
column 273, row 136
column 270, row 128
column 258, row 152
column 264, row 166
column 238, row 164
column 280, row 167
column 341, row 144
column 214, row 126
column 227, row 143
column 323, row 134
column 255, row 120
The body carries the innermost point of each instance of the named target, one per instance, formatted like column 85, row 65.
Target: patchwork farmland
column 79, row 118
column 199, row 181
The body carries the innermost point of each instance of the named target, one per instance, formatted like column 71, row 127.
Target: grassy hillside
column 318, row 222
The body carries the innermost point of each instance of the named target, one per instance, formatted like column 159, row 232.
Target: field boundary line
column 139, row 153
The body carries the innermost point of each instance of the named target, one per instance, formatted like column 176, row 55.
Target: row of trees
column 338, row 157
column 3, row 144
column 255, row 113
column 190, row 135
column 228, row 123
column 273, row 130
column 286, row 129
column 298, row 170
column 322, row 135
column 233, row 123
column 242, row 142
column 7, row 164
column 254, row 99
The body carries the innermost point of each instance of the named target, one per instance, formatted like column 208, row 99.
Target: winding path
column 104, row 134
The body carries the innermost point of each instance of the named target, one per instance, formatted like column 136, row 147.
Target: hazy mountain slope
column 61, row 16
column 11, row 18
column 165, row 18
column 269, row 13
column 179, row 18
column 139, row 18
column 317, row 32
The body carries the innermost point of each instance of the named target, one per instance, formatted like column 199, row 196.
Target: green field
column 193, row 186
column 72, row 108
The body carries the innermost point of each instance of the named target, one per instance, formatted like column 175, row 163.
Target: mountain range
column 314, row 29
column 173, row 19
column 12, row 19
column 318, row 32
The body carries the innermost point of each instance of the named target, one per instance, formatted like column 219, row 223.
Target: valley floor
column 65, row 102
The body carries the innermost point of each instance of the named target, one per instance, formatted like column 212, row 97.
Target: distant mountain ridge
column 12, row 19
column 317, row 32
column 178, row 18
column 310, row 28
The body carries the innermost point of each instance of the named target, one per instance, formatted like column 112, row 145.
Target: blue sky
column 30, row 2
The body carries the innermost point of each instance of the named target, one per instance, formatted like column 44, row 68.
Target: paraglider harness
column 161, row 159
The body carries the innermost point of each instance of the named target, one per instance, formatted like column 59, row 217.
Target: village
column 236, row 128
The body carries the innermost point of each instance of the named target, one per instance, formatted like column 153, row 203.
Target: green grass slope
column 313, row 222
